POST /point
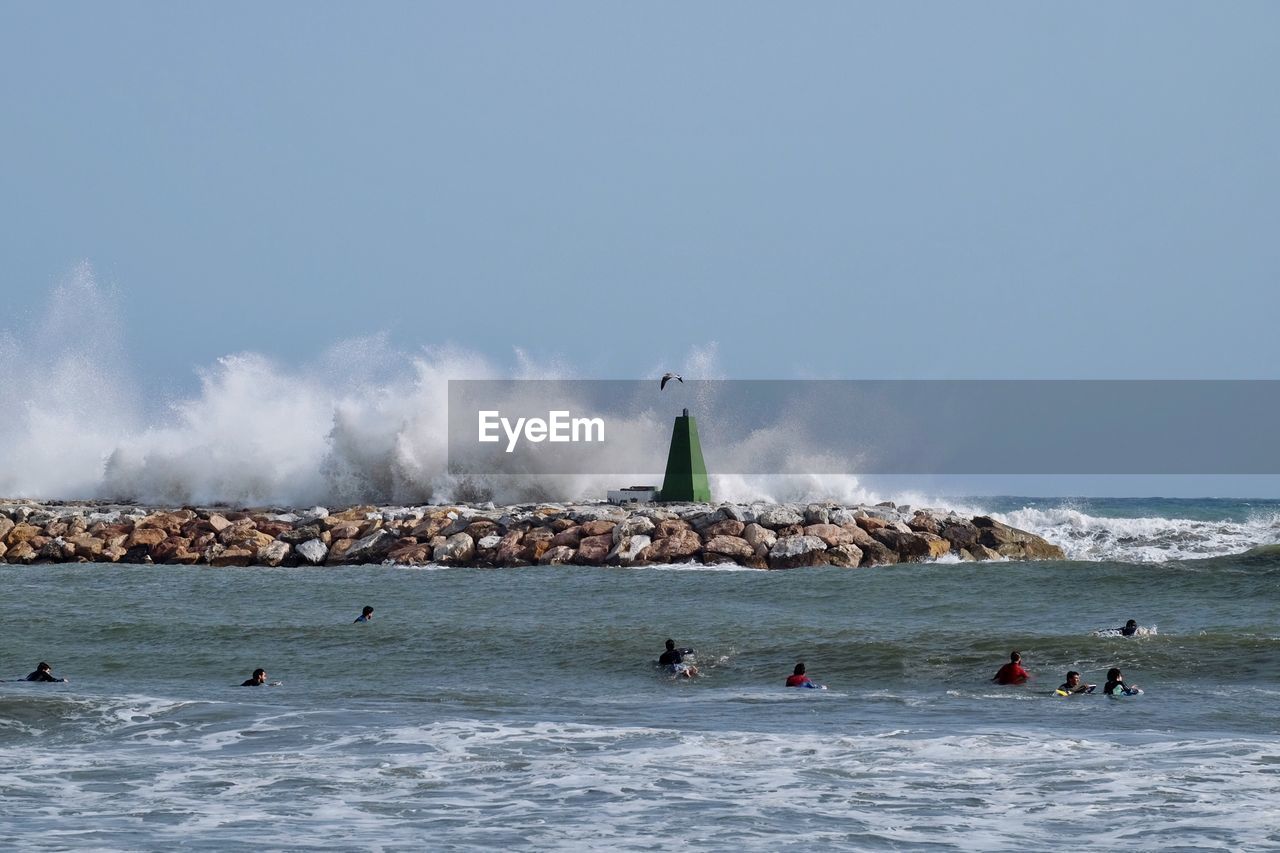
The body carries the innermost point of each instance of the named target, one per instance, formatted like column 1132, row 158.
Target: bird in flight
column 667, row 377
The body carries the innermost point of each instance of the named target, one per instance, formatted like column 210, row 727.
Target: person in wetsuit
column 1012, row 672
column 673, row 660
column 797, row 678
column 1115, row 685
column 366, row 615
column 43, row 673
column 1130, row 628
column 259, row 679
column 1074, row 685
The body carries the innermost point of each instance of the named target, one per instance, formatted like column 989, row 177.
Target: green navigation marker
column 686, row 478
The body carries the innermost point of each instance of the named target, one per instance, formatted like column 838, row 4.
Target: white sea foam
column 555, row 785
column 1089, row 537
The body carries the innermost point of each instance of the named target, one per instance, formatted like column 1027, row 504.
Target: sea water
column 521, row 708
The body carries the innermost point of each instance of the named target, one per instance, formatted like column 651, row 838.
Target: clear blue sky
column 825, row 189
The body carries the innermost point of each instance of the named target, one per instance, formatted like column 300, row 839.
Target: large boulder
column 845, row 556
column 817, row 514
column 791, row 552
column 638, row 525
column 938, row 546
column 594, row 550
column 669, row 526
column 981, row 552
column 274, row 554
column 220, row 555
column 22, row 532
column 923, row 522
column 148, row 536
column 778, row 516
column 313, row 551
column 298, row 535
column 599, row 527
column 411, row 552
column 878, row 554
column 628, row 551
column 432, row 525
column 679, row 546
column 569, row 537
column 510, row 549
column 1014, row 543
column 88, row 547
column 871, row 523
column 729, row 546
column 961, row 534
column 456, row 549
column 372, row 548
column 910, row 547
column 557, row 555
column 21, row 552
column 760, row 538
column 175, row 550
column 724, row 527
column 830, row 533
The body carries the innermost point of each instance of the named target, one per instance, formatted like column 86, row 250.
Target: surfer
column 1115, row 685
column 1012, row 672
column 1073, row 685
column 259, row 679
column 798, row 679
column 1130, row 628
column 672, row 660
column 366, row 615
column 43, row 672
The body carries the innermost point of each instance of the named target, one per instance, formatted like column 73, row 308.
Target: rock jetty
column 758, row 535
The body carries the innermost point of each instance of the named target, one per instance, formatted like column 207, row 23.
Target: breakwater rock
column 759, row 535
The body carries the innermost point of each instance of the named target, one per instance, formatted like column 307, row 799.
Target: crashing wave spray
column 363, row 423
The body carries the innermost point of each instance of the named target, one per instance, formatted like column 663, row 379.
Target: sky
column 823, row 190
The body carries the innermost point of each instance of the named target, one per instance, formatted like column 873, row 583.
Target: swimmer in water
column 1115, row 685
column 1012, row 672
column 673, row 661
column 1130, row 628
column 1073, row 685
column 259, row 679
column 44, row 672
column 366, row 615
column 797, row 678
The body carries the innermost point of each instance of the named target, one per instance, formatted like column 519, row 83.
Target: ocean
column 521, row 708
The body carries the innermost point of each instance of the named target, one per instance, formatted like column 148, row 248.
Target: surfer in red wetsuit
column 798, row 679
column 1012, row 672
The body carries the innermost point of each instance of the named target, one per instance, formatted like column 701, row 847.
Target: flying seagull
column 667, row 377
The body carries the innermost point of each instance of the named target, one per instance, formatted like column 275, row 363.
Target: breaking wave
column 364, row 422
column 1144, row 540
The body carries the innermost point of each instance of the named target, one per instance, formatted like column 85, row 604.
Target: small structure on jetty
column 686, row 478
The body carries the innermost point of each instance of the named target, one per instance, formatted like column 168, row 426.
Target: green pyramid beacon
column 686, row 478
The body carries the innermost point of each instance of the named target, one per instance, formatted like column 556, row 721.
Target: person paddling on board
column 798, row 679
column 1130, row 628
column 259, row 679
column 1115, row 685
column 1012, row 672
column 673, row 661
column 366, row 615
column 44, row 672
column 1073, row 685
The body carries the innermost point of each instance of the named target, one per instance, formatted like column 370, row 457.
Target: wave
column 1144, row 540
column 362, row 423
